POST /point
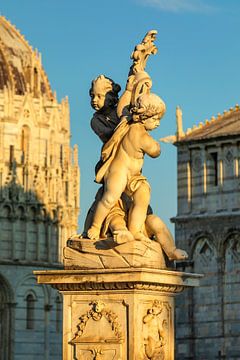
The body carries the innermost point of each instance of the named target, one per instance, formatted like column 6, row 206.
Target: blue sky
column 197, row 67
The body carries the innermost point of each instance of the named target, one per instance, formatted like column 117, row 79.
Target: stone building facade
column 208, row 226
column 39, row 199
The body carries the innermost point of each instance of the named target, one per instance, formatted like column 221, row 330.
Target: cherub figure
column 104, row 99
column 122, row 204
column 123, row 159
column 155, row 327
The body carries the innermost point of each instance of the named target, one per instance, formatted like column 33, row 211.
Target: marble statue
column 121, row 210
column 104, row 98
column 123, row 158
column 118, row 290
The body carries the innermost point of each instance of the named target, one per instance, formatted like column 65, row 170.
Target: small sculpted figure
column 155, row 333
column 104, row 98
column 123, row 159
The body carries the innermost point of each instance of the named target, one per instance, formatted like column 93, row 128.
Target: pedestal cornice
column 118, row 279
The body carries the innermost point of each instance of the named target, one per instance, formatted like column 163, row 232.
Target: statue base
column 118, row 314
column 107, row 254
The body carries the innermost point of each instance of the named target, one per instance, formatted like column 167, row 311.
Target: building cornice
column 206, row 216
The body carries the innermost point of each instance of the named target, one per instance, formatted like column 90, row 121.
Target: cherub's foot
column 141, row 237
column 178, row 254
column 122, row 236
column 93, row 232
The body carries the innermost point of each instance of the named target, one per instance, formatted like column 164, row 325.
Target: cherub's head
column 148, row 109
column 98, row 306
column 104, row 93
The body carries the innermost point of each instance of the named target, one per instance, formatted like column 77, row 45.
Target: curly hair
column 146, row 106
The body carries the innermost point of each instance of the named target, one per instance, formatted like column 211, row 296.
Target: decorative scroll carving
column 97, row 354
column 142, row 52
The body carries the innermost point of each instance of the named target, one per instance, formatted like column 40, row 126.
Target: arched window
column 30, row 311
column 212, row 169
column 6, row 330
column 33, row 230
column 58, row 314
column 20, row 233
column 6, row 233
column 231, row 286
column 204, row 316
column 6, row 211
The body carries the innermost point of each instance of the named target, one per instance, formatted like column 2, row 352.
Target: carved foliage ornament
column 142, row 52
column 96, row 313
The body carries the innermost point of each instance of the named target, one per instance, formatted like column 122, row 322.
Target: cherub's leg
column 114, row 186
column 91, row 211
column 155, row 226
column 138, row 211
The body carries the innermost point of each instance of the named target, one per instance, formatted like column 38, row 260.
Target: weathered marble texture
column 119, row 314
column 107, row 254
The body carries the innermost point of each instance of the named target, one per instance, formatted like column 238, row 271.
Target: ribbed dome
column 20, row 65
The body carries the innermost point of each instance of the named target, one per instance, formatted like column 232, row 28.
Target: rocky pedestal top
column 107, row 254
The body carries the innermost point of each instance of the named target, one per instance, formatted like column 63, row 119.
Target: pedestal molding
column 91, row 286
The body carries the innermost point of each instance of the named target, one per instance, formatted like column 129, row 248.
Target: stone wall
column 37, row 337
column 207, row 226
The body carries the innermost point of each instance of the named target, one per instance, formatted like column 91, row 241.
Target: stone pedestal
column 118, row 314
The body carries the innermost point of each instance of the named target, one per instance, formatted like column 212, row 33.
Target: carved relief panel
column 157, row 327
column 99, row 334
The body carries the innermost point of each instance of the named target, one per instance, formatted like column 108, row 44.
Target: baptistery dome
column 20, row 65
column 39, row 199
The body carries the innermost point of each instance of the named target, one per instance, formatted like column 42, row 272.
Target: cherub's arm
column 150, row 146
column 125, row 99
